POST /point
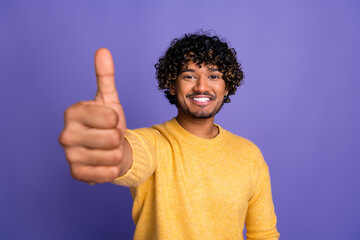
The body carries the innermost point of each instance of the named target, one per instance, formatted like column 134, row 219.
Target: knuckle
column 114, row 138
column 64, row 138
column 117, row 137
column 117, row 156
column 103, row 178
column 72, row 111
column 76, row 173
column 69, row 113
column 110, row 118
column 73, row 156
column 114, row 172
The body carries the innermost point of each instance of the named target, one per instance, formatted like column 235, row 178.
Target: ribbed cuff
column 142, row 165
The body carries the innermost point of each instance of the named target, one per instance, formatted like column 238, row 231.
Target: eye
column 214, row 77
column 190, row 77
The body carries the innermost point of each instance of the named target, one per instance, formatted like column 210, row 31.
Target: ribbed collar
column 190, row 138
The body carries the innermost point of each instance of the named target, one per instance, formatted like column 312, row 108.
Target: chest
column 205, row 179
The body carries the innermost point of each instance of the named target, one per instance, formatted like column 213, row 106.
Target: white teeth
column 201, row 99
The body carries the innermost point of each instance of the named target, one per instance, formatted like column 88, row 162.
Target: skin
column 194, row 82
column 93, row 134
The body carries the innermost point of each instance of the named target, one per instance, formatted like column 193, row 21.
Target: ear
column 172, row 89
column 226, row 92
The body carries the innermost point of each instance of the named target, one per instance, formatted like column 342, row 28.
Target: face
column 199, row 91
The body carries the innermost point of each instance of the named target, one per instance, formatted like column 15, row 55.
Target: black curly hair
column 200, row 47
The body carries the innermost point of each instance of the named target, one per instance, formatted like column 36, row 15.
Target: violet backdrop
column 299, row 104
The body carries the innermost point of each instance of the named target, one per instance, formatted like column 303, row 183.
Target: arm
column 261, row 219
column 142, row 142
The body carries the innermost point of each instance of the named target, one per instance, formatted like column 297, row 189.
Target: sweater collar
column 191, row 138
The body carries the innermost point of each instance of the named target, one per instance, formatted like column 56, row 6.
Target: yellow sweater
column 186, row 187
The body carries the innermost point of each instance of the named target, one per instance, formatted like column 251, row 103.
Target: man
column 189, row 178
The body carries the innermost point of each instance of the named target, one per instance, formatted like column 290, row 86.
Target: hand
column 93, row 136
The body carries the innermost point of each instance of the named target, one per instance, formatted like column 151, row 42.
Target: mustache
column 212, row 96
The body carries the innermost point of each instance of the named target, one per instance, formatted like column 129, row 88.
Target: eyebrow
column 187, row 70
column 192, row 70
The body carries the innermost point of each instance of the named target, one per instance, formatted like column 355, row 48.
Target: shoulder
column 239, row 140
column 152, row 133
column 244, row 147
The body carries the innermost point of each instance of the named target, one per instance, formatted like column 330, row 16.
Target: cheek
column 220, row 89
column 183, row 89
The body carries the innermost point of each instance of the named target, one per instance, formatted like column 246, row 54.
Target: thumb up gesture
column 93, row 135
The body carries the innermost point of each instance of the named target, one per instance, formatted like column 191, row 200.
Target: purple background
column 299, row 104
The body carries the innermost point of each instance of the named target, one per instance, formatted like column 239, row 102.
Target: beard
column 202, row 113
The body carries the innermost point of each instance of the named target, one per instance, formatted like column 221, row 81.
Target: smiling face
column 199, row 91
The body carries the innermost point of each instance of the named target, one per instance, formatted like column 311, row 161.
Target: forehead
column 192, row 66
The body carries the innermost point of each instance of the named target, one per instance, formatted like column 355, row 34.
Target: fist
column 93, row 135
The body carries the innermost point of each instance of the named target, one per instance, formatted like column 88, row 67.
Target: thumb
column 105, row 76
column 106, row 91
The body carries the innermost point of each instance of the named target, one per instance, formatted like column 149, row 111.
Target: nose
column 202, row 85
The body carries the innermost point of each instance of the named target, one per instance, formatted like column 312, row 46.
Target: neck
column 203, row 128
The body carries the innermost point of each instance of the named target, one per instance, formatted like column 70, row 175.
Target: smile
column 202, row 99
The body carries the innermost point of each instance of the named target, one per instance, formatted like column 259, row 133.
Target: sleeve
column 142, row 142
column 261, row 219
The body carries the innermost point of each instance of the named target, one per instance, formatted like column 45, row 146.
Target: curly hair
column 199, row 48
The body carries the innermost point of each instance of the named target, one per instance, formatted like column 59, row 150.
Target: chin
column 199, row 113
column 202, row 115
